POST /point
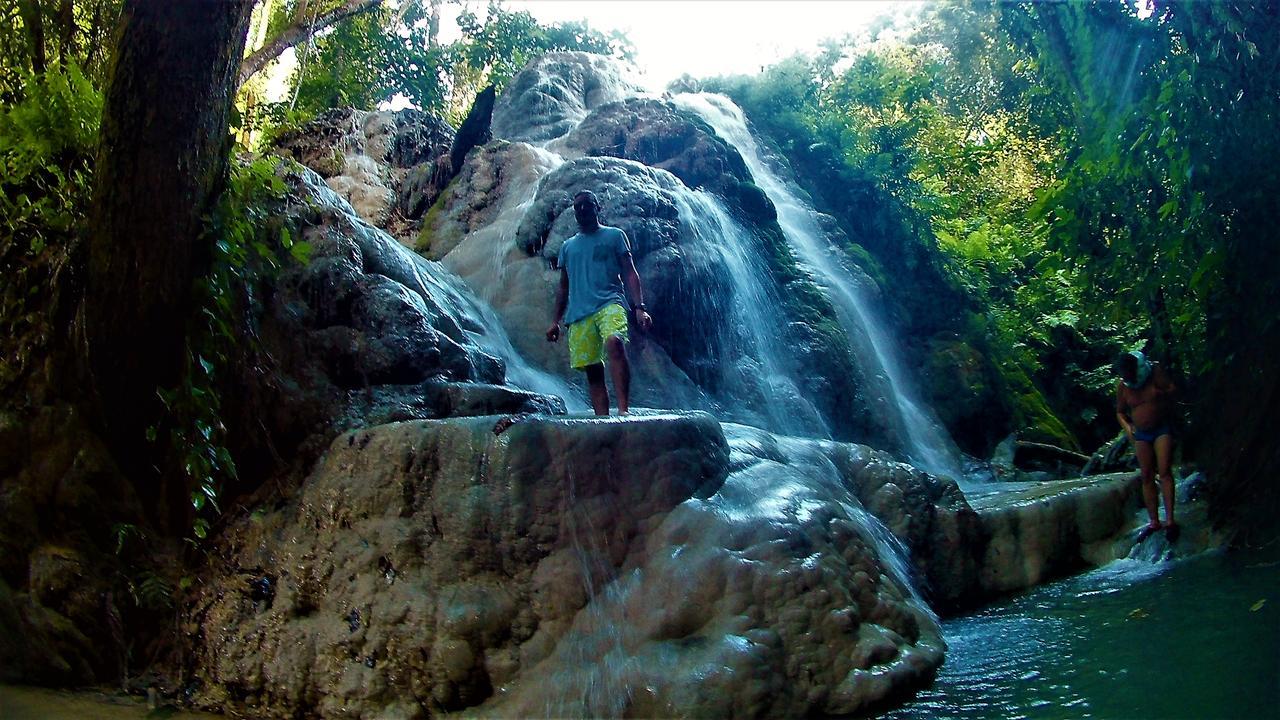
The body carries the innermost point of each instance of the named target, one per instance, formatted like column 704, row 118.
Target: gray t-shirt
column 594, row 262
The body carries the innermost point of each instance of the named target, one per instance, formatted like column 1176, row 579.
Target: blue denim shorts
column 1149, row 436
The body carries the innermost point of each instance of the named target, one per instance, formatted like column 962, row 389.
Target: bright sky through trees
column 719, row 37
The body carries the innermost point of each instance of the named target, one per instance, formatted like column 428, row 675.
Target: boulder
column 566, row 567
column 554, row 92
column 385, row 164
column 938, row 535
column 1039, row 531
column 661, row 135
column 363, row 332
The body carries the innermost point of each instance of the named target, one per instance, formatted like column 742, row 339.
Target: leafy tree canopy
column 395, row 50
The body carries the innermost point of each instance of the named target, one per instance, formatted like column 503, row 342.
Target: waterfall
column 928, row 445
column 754, row 379
column 761, row 372
column 436, row 284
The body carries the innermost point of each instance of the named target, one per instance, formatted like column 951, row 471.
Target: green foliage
column 46, row 148
column 150, row 591
column 248, row 245
column 371, row 58
column 1170, row 156
column 366, row 60
column 35, row 32
column 1093, row 179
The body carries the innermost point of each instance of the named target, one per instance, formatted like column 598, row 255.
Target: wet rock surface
column 565, row 567
column 698, row 225
column 928, row 517
column 555, row 92
column 367, row 332
column 1038, row 531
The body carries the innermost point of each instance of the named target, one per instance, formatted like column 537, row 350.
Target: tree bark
column 66, row 30
column 433, row 25
column 162, row 160
column 33, row 18
column 300, row 30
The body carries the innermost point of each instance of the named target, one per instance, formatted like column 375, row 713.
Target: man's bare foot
column 1147, row 531
column 1172, row 530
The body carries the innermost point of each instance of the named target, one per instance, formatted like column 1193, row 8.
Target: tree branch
column 300, row 30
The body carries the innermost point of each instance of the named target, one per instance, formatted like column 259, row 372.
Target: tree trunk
column 33, row 18
column 162, row 159
column 66, row 30
column 433, row 25
column 300, row 30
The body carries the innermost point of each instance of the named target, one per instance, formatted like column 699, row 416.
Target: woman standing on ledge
column 1144, row 407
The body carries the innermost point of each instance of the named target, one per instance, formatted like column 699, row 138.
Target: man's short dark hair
column 586, row 193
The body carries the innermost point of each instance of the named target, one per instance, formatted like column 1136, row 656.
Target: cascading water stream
column 754, row 377
column 928, row 445
column 434, row 280
column 779, row 398
column 495, row 341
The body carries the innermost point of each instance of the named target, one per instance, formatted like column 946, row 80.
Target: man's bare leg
column 1164, row 463
column 621, row 372
column 596, row 388
column 1147, row 461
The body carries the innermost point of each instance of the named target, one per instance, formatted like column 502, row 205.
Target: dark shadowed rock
column 475, row 129
column 963, row 389
column 658, row 134
column 661, row 135
column 57, row 507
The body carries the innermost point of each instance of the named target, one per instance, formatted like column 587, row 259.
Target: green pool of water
column 1192, row 638
column 29, row 703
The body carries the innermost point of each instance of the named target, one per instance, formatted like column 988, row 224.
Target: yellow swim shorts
column 586, row 337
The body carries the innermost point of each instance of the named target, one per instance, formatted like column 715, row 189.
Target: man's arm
column 562, row 301
column 631, row 280
column 1121, row 411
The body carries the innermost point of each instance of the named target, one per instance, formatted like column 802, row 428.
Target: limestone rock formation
column 927, row 517
column 383, row 163
column 717, row 273
column 1050, row 529
column 555, row 92
column 661, row 135
column 367, row 332
column 570, row 567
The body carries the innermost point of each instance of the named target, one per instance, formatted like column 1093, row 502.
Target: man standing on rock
column 595, row 267
column 1145, row 409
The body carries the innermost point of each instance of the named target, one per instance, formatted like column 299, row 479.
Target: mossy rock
column 1032, row 415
